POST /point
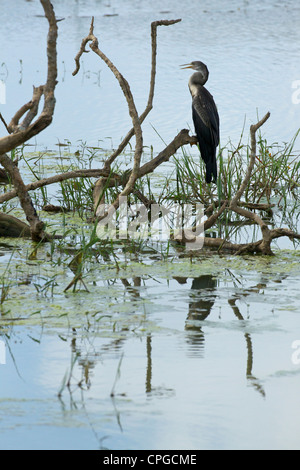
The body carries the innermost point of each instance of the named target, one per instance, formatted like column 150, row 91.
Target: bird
column 205, row 117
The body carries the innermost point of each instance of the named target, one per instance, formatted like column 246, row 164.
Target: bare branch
column 284, row 232
column 149, row 106
column 82, row 48
column 131, row 108
column 21, row 133
column 234, row 204
column 28, row 129
column 136, row 119
column 243, row 186
column 89, row 173
column 31, row 106
column 12, row 227
column 182, row 138
column 210, row 222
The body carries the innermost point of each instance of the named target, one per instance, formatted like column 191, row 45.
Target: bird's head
column 199, row 67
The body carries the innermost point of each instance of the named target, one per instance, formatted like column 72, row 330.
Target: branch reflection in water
column 203, row 295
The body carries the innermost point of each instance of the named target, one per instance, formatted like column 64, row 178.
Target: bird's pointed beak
column 186, row 66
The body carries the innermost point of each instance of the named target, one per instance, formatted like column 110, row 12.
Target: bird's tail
column 211, row 170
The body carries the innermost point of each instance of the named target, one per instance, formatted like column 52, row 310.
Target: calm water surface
column 198, row 361
column 156, row 361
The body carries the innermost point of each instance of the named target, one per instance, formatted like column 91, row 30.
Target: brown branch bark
column 261, row 246
column 31, row 108
column 181, row 139
column 4, row 122
column 210, row 222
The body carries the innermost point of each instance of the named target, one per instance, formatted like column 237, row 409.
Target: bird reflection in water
column 202, row 298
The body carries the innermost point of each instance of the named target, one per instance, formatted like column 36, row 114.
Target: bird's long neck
column 197, row 80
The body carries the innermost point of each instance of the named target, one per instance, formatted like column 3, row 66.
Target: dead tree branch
column 142, row 117
column 182, row 138
column 21, row 132
column 265, row 245
column 131, row 108
column 253, row 129
column 240, row 207
column 12, row 227
column 136, row 119
column 262, row 246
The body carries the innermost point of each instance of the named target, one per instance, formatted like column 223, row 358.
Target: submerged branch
column 36, row 225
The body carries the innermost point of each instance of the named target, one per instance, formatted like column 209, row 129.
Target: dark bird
column 205, row 117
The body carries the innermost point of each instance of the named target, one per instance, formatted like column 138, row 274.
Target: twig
column 31, row 108
column 149, row 106
column 3, row 120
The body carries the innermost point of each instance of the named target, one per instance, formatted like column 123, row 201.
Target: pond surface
column 181, row 356
column 153, row 351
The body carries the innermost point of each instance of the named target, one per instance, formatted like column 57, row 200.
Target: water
column 157, row 355
column 204, row 351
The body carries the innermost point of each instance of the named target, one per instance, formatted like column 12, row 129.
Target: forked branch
column 136, row 119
